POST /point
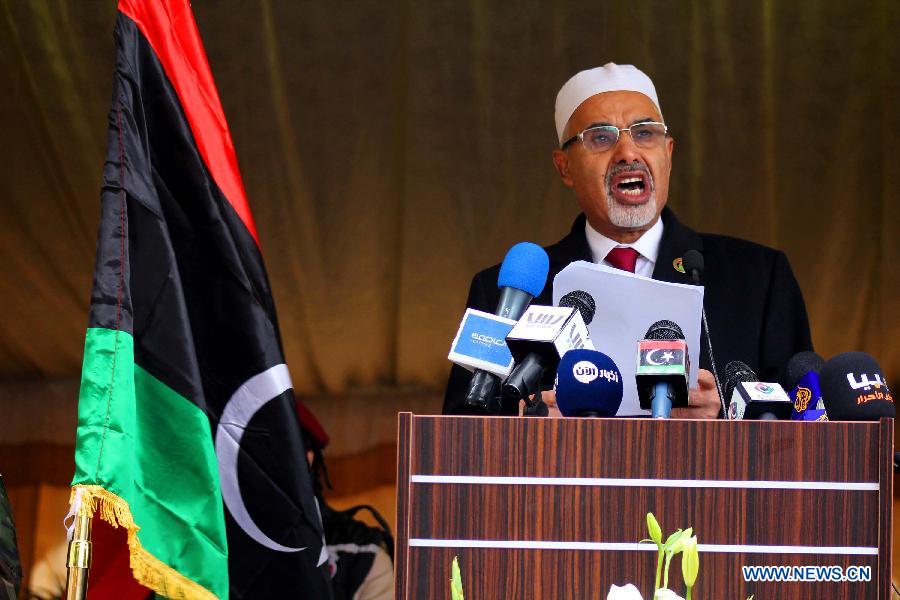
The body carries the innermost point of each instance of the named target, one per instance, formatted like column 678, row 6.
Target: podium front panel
column 554, row 508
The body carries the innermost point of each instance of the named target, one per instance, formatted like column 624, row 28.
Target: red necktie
column 623, row 258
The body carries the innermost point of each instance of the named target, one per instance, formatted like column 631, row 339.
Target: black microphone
column 588, row 384
column 692, row 261
column 543, row 335
column 663, row 369
column 581, row 300
column 752, row 399
column 523, row 275
column 854, row 388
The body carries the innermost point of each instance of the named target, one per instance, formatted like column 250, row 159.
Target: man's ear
column 561, row 162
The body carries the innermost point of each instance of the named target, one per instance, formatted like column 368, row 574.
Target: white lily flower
column 628, row 592
column 665, row 594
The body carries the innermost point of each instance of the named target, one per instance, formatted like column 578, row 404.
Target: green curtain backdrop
column 391, row 149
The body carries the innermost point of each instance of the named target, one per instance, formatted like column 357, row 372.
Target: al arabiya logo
column 585, row 371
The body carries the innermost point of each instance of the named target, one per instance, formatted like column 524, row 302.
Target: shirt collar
column 647, row 245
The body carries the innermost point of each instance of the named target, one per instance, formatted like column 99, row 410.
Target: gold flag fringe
column 148, row 570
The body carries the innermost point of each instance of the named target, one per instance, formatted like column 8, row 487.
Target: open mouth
column 631, row 187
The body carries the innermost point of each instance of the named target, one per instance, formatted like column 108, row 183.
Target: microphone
column 663, row 369
column 588, row 384
column 543, row 335
column 523, row 275
column 752, row 399
column 854, row 388
column 692, row 261
column 581, row 300
column 803, row 381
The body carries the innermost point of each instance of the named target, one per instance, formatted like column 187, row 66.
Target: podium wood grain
column 619, row 469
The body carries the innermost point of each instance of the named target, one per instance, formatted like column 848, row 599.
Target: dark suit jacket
column 753, row 304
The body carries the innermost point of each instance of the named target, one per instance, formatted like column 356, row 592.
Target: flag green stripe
column 142, row 441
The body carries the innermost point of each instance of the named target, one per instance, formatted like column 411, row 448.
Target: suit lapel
column 571, row 248
column 676, row 240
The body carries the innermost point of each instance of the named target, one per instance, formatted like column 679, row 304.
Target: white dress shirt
column 647, row 246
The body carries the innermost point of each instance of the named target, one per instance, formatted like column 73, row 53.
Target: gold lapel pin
column 677, row 263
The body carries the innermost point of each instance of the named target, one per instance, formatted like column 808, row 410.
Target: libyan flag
column 187, row 431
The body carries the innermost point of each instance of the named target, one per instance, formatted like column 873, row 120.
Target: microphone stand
column 695, row 276
column 537, row 407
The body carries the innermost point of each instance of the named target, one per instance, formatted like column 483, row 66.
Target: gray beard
column 627, row 216
column 630, row 217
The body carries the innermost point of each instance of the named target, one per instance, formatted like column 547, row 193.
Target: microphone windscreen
column 735, row 373
column 664, row 330
column 799, row 365
column 691, row 261
column 582, row 301
column 525, row 268
column 854, row 388
column 588, row 383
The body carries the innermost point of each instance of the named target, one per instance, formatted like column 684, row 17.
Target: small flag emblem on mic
column 659, row 356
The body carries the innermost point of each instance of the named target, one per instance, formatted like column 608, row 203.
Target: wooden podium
column 554, row 508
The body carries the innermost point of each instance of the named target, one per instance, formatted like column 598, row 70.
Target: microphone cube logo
column 764, row 388
column 575, row 339
column 585, row 371
column 480, row 343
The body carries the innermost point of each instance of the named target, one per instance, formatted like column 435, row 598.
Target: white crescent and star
column 666, row 357
column 251, row 396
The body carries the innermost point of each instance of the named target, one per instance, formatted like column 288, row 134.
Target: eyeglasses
column 648, row 134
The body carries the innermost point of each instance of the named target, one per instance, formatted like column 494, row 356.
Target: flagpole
column 79, row 559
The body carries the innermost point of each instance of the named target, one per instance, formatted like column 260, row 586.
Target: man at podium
column 615, row 153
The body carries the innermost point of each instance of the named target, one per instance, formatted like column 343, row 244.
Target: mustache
column 626, row 167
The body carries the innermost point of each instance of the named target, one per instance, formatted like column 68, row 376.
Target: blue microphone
column 803, row 381
column 523, row 275
column 588, row 384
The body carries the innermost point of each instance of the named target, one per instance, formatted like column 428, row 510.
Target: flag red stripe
column 171, row 31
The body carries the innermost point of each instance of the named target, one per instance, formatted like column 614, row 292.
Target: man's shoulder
column 726, row 247
column 487, row 277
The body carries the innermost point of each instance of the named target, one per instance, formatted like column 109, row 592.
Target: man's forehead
column 621, row 108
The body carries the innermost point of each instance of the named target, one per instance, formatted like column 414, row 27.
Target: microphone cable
column 693, row 264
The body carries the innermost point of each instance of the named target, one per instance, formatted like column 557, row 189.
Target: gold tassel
column 148, row 570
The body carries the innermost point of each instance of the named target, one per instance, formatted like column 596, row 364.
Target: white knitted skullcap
column 608, row 78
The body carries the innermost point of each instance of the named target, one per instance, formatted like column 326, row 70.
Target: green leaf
column 672, row 539
column 654, row 529
column 456, row 588
column 678, row 545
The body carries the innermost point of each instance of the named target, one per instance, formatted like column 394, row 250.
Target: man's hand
column 549, row 398
column 703, row 402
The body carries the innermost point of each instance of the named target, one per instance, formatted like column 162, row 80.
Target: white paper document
column 627, row 305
